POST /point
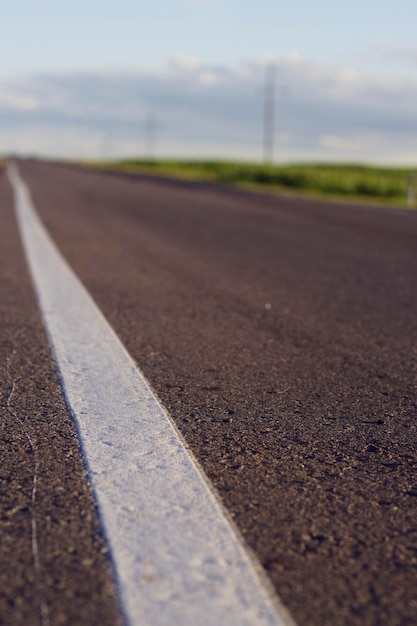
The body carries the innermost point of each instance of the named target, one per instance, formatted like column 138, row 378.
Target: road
column 280, row 334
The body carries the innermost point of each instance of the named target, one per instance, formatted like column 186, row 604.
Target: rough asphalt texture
column 281, row 335
column 53, row 563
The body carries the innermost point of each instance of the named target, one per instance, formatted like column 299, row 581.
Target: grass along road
column 347, row 181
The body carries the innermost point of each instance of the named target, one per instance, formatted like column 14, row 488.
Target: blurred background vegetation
column 361, row 182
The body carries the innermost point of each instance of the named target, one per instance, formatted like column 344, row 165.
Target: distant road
column 280, row 334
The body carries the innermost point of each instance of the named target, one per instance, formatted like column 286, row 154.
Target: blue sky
column 349, row 70
column 46, row 35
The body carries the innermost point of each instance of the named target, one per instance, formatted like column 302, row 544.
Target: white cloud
column 344, row 144
column 208, row 77
column 401, row 55
column 20, row 102
column 182, row 63
column 321, row 112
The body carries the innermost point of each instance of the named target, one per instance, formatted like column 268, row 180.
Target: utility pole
column 269, row 112
column 150, row 131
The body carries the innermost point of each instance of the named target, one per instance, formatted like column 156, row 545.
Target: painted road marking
column 178, row 560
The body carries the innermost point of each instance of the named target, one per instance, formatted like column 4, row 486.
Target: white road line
column 178, row 559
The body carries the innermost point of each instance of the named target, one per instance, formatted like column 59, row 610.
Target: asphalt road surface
column 280, row 334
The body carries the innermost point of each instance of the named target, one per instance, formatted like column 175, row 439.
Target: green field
column 360, row 182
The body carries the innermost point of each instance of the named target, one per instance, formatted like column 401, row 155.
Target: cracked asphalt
column 281, row 336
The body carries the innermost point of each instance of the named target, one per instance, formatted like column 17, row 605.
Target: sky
column 81, row 79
